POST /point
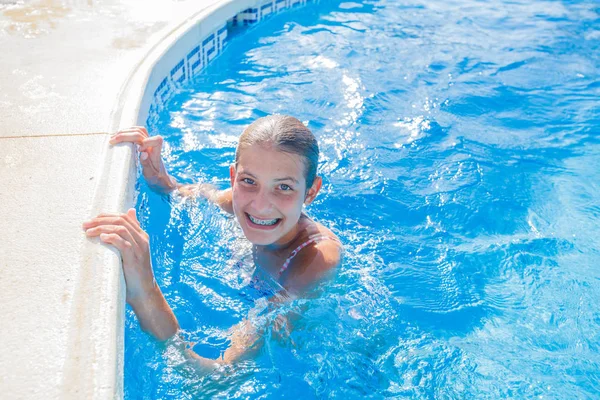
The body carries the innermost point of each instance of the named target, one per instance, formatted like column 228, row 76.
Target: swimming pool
column 460, row 162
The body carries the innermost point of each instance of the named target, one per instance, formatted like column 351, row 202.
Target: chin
column 259, row 239
column 259, row 242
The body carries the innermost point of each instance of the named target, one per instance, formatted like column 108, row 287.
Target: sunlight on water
column 460, row 164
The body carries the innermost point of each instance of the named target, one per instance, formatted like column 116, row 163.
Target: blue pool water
column 461, row 159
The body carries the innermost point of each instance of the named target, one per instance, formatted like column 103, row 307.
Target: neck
column 285, row 241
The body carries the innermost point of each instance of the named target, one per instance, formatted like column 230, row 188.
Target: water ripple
column 460, row 159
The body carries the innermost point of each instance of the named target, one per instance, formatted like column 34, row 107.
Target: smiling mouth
column 263, row 222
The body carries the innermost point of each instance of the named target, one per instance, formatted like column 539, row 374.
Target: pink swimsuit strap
column 311, row 239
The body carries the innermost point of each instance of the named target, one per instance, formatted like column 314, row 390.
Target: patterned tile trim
column 198, row 57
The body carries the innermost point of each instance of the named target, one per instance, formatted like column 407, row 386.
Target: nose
column 262, row 203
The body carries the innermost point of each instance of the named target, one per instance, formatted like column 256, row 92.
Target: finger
column 135, row 224
column 129, row 130
column 139, row 129
column 131, row 137
column 143, row 156
column 133, row 215
column 154, row 141
column 116, row 240
column 119, row 230
column 132, row 226
column 93, row 222
column 115, row 219
column 102, row 219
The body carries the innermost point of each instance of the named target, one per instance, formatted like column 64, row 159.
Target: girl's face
column 269, row 189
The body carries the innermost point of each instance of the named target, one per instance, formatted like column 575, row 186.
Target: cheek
column 237, row 199
column 291, row 204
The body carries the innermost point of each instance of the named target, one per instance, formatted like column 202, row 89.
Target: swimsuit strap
column 311, row 239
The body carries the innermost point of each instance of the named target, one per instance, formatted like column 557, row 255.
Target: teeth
column 263, row 221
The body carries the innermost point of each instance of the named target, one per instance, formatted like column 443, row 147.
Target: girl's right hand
column 153, row 168
column 123, row 231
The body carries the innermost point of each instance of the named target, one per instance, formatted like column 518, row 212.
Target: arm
column 155, row 314
column 123, row 231
column 246, row 336
column 311, row 267
column 155, row 173
column 222, row 198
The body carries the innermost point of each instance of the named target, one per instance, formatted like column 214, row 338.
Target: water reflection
column 460, row 176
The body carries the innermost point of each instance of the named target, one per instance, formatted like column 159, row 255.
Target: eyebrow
column 285, row 178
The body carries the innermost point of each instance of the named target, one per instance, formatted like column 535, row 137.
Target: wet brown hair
column 286, row 134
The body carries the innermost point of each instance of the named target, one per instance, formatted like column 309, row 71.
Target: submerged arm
column 246, row 338
column 222, row 198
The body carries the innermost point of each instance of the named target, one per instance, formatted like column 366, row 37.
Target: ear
column 313, row 190
column 232, row 174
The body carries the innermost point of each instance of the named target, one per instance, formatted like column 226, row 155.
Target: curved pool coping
column 94, row 367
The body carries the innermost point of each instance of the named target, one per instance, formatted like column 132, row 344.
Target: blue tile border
column 178, row 72
column 194, row 62
column 197, row 58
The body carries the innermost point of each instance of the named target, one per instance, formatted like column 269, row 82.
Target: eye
column 285, row 187
column 249, row 181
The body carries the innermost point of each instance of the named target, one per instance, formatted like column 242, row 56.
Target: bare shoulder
column 328, row 255
column 329, row 247
column 315, row 262
column 224, row 199
column 328, row 244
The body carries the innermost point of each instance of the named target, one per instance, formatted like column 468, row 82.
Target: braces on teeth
column 263, row 222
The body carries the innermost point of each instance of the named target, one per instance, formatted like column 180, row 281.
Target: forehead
column 267, row 162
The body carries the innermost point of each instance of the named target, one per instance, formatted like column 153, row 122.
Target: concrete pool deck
column 65, row 66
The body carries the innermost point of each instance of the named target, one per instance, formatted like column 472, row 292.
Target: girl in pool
column 273, row 177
